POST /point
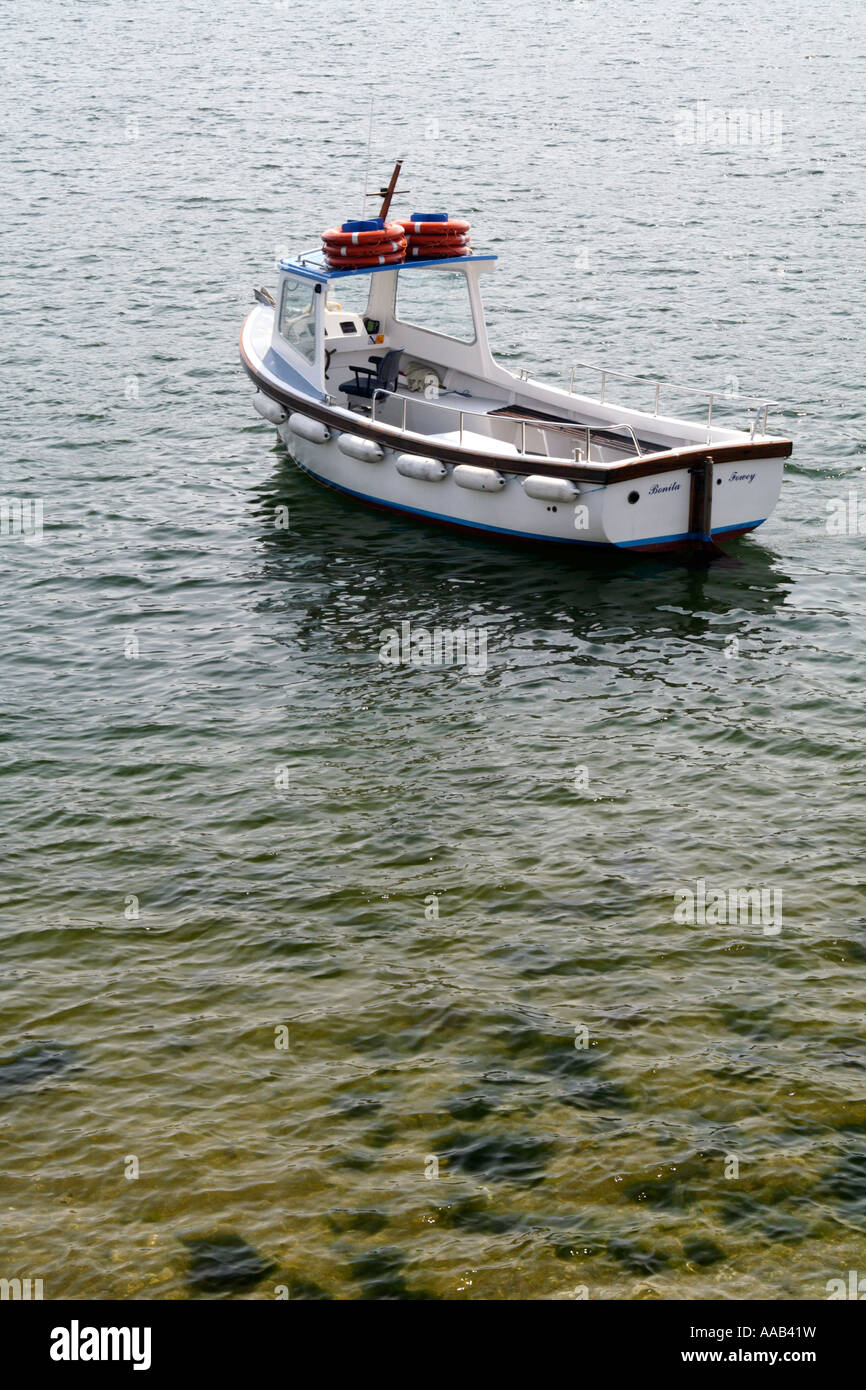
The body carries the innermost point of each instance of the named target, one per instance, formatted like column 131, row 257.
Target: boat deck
column 487, row 425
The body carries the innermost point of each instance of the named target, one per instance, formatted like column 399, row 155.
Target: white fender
column 414, row 466
column 478, row 479
column 354, row 447
column 269, row 409
column 549, row 489
column 312, row 430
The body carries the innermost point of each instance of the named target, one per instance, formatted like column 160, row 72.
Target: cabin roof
column 311, row 271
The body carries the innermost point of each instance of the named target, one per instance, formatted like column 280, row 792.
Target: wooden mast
column 388, row 193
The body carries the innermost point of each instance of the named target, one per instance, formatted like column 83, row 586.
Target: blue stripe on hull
column 691, row 535
column 507, row 531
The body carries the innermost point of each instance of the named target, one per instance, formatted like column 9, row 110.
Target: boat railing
column 524, row 421
column 761, row 407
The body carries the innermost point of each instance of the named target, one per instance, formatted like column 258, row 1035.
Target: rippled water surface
column 229, row 827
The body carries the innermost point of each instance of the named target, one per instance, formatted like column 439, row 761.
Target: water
column 229, row 826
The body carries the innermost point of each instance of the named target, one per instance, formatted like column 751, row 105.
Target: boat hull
column 658, row 519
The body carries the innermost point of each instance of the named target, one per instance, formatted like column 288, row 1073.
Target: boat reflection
column 374, row 569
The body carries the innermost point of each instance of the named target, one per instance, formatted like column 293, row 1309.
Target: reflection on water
column 521, row 585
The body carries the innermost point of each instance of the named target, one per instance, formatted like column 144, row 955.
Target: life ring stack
column 364, row 242
column 435, row 236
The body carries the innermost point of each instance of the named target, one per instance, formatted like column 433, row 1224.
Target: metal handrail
column 521, row 420
column 765, row 407
column 623, row 426
column 762, row 405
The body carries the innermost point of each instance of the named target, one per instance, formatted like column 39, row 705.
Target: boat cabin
column 330, row 323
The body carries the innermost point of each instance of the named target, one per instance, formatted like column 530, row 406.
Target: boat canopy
column 426, row 316
column 309, row 269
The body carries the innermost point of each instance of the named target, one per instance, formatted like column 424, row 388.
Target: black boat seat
column 368, row 382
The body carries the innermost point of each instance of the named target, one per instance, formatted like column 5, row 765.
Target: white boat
column 381, row 383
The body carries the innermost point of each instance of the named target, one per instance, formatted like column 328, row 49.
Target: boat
column 372, row 360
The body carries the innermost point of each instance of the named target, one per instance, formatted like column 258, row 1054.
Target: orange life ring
column 446, row 247
column 368, row 259
column 452, row 245
column 438, row 248
column 455, row 239
column 353, row 253
column 335, row 236
column 424, row 253
column 437, row 230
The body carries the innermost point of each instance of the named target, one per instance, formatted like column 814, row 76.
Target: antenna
column 367, row 170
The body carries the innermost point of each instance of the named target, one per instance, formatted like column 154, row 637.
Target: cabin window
column 437, row 300
column 298, row 316
column 352, row 294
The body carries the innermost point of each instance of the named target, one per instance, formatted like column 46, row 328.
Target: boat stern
column 720, row 494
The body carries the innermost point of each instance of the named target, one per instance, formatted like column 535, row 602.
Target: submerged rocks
column 638, row 1258
column 510, row 1157
column 475, row 1214
column 702, row 1251
column 470, row 1107
column 35, row 1063
column 294, row 1287
column 369, row 1221
column 379, row 1275
column 223, row 1263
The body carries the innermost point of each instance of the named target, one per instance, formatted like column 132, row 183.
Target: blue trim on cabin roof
column 306, row 272
column 310, row 272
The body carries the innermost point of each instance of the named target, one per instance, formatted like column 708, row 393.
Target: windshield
column 351, row 294
column 437, row 300
column 298, row 316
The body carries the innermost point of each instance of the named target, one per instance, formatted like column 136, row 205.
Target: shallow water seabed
column 225, row 817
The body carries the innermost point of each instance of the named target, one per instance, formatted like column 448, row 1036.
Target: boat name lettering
column 741, row 477
column 668, row 487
